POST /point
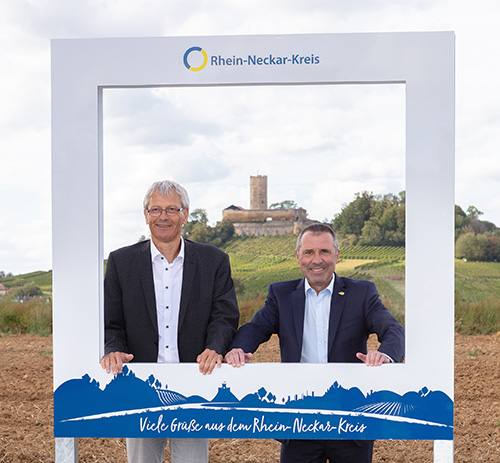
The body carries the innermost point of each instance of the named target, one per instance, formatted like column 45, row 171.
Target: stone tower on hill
column 261, row 221
column 258, row 193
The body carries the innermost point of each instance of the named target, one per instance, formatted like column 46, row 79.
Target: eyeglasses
column 156, row 211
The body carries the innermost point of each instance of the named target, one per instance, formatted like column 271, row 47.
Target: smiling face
column 166, row 229
column 317, row 257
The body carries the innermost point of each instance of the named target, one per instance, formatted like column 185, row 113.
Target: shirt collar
column 308, row 287
column 155, row 253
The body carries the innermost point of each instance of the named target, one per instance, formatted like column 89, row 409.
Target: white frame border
column 424, row 62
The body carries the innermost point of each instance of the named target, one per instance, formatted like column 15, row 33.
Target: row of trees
column 379, row 220
column 376, row 220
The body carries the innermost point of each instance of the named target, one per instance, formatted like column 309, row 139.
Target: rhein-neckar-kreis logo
column 196, row 58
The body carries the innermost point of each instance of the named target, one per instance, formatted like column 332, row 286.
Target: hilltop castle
column 259, row 220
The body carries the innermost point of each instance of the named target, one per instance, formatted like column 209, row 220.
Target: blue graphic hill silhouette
column 82, row 397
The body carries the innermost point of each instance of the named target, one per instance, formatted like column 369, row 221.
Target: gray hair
column 318, row 228
column 166, row 187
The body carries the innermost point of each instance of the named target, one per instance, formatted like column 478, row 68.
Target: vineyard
column 258, row 261
column 387, row 253
column 284, row 246
column 476, row 281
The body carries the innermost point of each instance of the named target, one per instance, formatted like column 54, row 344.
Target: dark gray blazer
column 208, row 316
column 356, row 311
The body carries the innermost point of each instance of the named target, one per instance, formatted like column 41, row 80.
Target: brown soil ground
column 26, row 410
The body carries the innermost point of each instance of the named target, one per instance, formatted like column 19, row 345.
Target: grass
column 480, row 317
column 33, row 317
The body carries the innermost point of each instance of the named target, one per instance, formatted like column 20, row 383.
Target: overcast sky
column 351, row 135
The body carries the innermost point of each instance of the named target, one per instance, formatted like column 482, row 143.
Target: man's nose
column 316, row 257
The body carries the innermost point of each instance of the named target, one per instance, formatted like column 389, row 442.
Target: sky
column 330, row 143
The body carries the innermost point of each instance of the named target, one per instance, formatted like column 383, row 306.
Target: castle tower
column 258, row 193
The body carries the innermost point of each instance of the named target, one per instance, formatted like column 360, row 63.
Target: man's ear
column 186, row 216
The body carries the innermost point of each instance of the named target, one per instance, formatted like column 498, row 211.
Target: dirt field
column 26, row 410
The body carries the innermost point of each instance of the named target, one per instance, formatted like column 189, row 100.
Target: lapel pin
column 341, row 293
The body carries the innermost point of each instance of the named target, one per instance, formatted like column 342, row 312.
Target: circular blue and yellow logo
column 195, row 50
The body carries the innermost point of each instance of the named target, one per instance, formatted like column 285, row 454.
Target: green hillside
column 39, row 278
column 258, row 261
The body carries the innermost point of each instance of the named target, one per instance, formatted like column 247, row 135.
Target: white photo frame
column 81, row 70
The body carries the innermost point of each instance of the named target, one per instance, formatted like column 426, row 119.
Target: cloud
column 223, row 136
column 318, row 145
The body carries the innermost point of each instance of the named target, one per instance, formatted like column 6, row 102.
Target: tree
column 200, row 232
column 389, row 219
column 473, row 212
column 372, row 234
column 472, row 247
column 461, row 221
column 28, row 290
column 199, row 215
column 353, row 216
column 197, row 228
column 287, row 204
column 375, row 220
column 223, row 232
column 394, row 238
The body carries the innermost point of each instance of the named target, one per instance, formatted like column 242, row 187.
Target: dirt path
column 26, row 410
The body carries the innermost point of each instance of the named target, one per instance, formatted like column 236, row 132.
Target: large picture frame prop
column 335, row 401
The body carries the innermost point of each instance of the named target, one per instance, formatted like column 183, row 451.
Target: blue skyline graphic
column 131, row 407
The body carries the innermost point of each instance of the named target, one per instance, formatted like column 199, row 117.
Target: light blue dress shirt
column 316, row 321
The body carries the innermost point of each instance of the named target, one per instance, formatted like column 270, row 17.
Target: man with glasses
column 322, row 318
column 168, row 300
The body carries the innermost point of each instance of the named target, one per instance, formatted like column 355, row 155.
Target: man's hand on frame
column 237, row 358
column 207, row 361
column 114, row 361
column 373, row 358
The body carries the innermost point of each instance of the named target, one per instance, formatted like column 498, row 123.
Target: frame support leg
column 66, row 450
column 443, row 451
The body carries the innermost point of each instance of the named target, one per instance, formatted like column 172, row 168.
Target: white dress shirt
column 167, row 279
column 316, row 321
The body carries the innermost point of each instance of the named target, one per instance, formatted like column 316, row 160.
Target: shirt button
column 167, row 307
column 166, row 287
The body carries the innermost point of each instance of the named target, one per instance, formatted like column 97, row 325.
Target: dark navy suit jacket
column 356, row 312
column 208, row 316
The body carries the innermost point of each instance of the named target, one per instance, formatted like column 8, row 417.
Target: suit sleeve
column 391, row 334
column 224, row 315
column 262, row 326
column 114, row 324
